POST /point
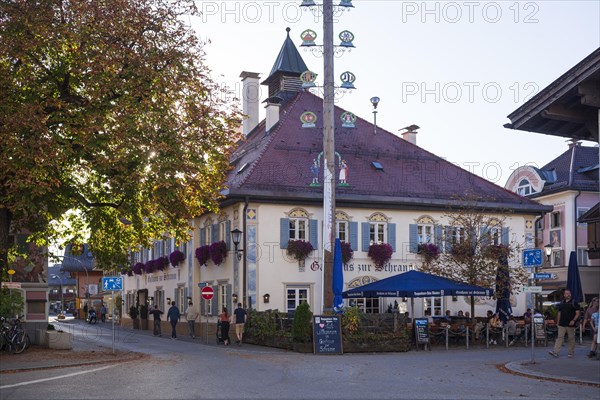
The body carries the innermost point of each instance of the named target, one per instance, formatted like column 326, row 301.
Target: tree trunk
column 5, row 221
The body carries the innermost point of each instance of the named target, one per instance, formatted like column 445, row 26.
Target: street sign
column 543, row 276
column 201, row 284
column 112, row 283
column 532, row 258
column 532, row 289
column 207, row 293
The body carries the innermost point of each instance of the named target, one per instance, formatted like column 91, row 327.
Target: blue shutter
column 439, row 235
column 448, row 247
column 202, row 237
column 169, row 247
column 174, row 299
column 365, row 236
column 505, row 239
column 214, row 306
column 313, row 229
column 392, row 235
column 413, row 238
column 185, row 296
column 353, row 226
column 484, row 236
column 228, row 235
column 284, row 232
column 215, row 233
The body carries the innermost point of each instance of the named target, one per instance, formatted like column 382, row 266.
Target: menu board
column 421, row 330
column 327, row 334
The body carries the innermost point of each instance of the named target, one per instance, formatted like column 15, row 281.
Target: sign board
column 539, row 328
column 207, row 293
column 327, row 334
column 112, row 283
column 93, row 289
column 11, row 285
column 532, row 289
column 539, row 275
column 532, row 258
column 421, row 330
column 201, row 284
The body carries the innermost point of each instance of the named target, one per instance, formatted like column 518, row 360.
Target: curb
column 520, row 368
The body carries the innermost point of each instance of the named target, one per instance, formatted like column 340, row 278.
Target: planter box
column 59, row 340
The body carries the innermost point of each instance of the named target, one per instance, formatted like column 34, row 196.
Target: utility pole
column 329, row 153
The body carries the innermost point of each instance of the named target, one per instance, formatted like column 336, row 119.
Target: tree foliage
column 107, row 111
column 476, row 256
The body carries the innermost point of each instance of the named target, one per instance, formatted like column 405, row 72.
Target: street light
column 62, row 302
column 236, row 238
column 375, row 101
column 548, row 251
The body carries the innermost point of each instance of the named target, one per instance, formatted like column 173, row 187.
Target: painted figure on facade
column 314, row 170
column 343, row 173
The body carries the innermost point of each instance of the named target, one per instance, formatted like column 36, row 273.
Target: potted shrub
column 380, row 253
column 218, row 252
column 302, row 328
column 203, row 254
column 176, row 258
column 299, row 250
column 138, row 268
column 133, row 314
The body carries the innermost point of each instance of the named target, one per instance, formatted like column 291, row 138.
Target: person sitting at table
column 447, row 317
column 511, row 330
column 527, row 316
column 494, row 324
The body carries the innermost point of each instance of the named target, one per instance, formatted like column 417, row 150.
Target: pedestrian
column 592, row 308
column 567, row 317
column 240, row 319
column 190, row 315
column 173, row 317
column 594, row 325
column 225, row 319
column 156, row 313
column 103, row 313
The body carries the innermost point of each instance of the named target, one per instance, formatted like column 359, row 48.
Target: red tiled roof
column 278, row 166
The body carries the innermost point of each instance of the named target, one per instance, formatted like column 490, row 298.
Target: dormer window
column 524, row 188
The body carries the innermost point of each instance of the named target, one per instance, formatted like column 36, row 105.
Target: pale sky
column 456, row 69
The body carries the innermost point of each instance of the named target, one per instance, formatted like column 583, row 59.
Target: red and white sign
column 207, row 293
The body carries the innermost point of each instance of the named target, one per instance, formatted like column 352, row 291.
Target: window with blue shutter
column 413, row 238
column 505, row 237
column 202, row 237
column 353, row 235
column 215, row 233
column 439, row 236
column 392, row 235
column 284, row 232
column 214, row 303
column 313, row 227
column 448, row 239
column 365, row 236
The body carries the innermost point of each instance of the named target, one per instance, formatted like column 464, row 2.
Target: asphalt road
column 193, row 370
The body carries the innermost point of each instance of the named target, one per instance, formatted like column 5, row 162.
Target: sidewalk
column 577, row 370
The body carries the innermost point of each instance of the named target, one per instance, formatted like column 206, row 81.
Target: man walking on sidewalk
column 240, row 317
column 190, row 315
column 567, row 318
column 173, row 317
column 156, row 313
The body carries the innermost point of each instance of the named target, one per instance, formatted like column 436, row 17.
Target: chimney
column 410, row 133
column 250, row 96
column 272, row 107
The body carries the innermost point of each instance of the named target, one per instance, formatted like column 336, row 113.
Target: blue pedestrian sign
column 112, row 283
column 532, row 258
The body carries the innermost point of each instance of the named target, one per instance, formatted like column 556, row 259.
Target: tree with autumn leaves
column 112, row 131
column 474, row 250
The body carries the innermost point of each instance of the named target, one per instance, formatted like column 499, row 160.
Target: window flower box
column 299, row 250
column 429, row 251
column 380, row 253
column 176, row 258
column 218, row 252
column 203, row 254
column 347, row 252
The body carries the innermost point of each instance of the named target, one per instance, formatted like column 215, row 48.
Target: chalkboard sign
column 421, row 330
column 327, row 334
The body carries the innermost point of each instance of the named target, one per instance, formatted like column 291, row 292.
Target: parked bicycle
column 12, row 336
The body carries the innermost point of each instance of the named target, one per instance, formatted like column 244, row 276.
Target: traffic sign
column 207, row 293
column 532, row 258
column 543, row 276
column 532, row 289
column 112, row 283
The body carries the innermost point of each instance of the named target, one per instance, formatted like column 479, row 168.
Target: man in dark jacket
column 567, row 318
column 173, row 317
column 156, row 313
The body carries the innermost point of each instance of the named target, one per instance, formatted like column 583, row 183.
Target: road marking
column 56, row 377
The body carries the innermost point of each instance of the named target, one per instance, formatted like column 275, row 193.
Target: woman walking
column 225, row 319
